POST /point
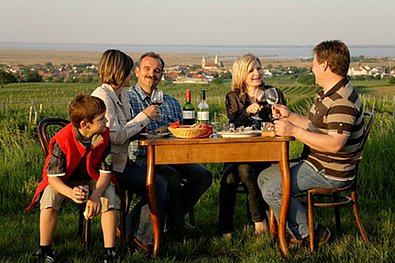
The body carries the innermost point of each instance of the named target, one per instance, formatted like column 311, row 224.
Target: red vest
column 74, row 151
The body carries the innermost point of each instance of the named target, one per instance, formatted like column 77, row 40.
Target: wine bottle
column 203, row 115
column 188, row 110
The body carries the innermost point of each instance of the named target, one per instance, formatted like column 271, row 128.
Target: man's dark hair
column 152, row 55
column 337, row 55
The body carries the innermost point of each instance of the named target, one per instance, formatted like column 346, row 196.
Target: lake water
column 280, row 52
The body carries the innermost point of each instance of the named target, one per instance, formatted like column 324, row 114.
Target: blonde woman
column 241, row 105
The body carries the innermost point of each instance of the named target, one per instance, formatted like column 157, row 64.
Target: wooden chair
column 339, row 195
column 47, row 128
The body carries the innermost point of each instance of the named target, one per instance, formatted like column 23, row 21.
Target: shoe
column 321, row 235
column 296, row 243
column 142, row 245
column 109, row 256
column 44, row 257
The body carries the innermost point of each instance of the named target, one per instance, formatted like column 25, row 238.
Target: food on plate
column 160, row 130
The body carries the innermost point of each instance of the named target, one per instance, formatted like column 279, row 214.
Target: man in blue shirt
column 187, row 182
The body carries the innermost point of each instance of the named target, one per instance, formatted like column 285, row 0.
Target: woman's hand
column 153, row 112
column 253, row 108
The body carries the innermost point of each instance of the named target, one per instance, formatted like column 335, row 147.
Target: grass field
column 21, row 162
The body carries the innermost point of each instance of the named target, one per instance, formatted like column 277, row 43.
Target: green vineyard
column 22, row 106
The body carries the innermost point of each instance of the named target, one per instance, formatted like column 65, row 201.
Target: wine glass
column 260, row 98
column 157, row 97
column 271, row 95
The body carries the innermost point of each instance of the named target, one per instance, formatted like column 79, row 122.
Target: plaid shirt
column 170, row 111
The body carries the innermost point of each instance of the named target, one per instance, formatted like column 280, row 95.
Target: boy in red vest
column 79, row 156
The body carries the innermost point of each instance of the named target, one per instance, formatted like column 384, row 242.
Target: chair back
column 47, row 128
column 369, row 118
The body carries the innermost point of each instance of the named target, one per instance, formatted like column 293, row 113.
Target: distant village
column 210, row 70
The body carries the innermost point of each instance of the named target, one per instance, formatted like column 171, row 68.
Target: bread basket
column 189, row 132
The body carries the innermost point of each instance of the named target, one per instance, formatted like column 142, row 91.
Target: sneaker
column 109, row 256
column 321, row 235
column 44, row 257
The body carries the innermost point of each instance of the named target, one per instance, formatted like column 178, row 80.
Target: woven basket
column 188, row 133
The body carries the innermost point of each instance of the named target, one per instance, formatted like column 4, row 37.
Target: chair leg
column 272, row 223
column 248, row 210
column 87, row 238
column 357, row 217
column 337, row 213
column 81, row 219
column 192, row 216
column 125, row 200
column 310, row 219
column 122, row 219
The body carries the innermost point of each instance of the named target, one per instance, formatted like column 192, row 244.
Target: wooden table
column 184, row 151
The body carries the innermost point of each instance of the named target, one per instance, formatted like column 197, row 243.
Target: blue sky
column 203, row 22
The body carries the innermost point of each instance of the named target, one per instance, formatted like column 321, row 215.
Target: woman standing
column 241, row 106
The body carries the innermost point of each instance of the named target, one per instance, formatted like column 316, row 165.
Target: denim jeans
column 303, row 178
column 183, row 194
column 138, row 222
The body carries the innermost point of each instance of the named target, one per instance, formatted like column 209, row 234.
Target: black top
column 236, row 105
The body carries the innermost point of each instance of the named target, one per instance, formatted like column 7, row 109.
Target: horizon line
column 194, row 45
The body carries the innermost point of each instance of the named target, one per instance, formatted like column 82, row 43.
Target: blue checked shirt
column 170, row 111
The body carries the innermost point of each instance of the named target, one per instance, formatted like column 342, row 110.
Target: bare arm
column 76, row 194
column 332, row 142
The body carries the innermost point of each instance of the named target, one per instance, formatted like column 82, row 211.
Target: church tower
column 203, row 61
column 216, row 59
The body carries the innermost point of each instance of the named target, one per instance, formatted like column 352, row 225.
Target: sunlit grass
column 21, row 164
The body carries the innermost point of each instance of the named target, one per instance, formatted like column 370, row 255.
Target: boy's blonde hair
column 114, row 67
column 240, row 70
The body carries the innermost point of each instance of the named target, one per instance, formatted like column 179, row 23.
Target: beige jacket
column 122, row 128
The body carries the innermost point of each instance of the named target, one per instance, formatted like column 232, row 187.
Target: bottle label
column 188, row 114
column 203, row 115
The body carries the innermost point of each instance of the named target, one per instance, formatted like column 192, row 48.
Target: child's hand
column 79, row 195
column 93, row 206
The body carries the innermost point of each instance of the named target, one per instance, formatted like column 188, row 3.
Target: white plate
column 239, row 135
column 151, row 136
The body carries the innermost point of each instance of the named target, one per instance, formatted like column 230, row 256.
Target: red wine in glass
column 157, row 97
column 260, row 98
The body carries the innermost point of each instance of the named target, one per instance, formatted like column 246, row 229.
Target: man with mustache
column 186, row 183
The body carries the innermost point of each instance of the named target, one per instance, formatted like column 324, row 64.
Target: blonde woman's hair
column 241, row 67
column 114, row 67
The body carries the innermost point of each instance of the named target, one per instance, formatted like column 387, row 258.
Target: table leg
column 150, row 185
column 286, row 193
